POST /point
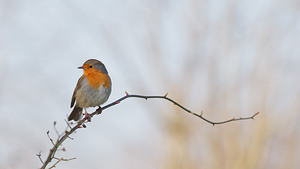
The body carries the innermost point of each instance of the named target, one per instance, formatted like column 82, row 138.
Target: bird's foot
column 88, row 117
column 99, row 110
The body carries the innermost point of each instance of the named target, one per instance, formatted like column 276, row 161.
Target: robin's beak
column 80, row 67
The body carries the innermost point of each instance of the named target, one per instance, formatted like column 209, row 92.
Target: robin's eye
column 90, row 66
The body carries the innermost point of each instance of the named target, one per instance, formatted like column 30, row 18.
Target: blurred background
column 227, row 58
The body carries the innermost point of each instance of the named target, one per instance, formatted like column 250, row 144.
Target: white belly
column 87, row 96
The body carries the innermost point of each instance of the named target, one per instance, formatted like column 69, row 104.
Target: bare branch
column 50, row 138
column 177, row 104
column 39, row 155
column 54, row 165
column 81, row 123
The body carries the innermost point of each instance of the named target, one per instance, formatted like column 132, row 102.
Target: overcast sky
column 196, row 51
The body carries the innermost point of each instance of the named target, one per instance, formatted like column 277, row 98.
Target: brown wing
column 76, row 88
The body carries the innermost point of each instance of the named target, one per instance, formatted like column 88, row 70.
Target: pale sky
column 188, row 48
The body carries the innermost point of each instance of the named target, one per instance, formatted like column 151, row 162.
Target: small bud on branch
column 80, row 124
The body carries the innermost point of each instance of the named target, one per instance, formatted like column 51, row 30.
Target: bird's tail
column 75, row 114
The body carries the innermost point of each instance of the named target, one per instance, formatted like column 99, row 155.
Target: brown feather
column 76, row 88
column 95, row 77
column 75, row 114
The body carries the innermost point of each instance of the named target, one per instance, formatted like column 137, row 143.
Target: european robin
column 93, row 88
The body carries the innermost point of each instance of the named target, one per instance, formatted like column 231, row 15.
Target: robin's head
column 93, row 65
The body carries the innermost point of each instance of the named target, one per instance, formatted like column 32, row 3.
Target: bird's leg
column 85, row 112
column 99, row 110
column 87, row 115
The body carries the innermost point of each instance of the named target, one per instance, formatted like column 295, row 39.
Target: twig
column 54, row 165
column 68, row 124
column 62, row 138
column 50, row 138
column 177, row 104
column 39, row 155
column 54, row 125
column 63, row 159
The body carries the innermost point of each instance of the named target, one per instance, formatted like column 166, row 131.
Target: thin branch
column 39, row 155
column 54, row 125
column 80, row 124
column 54, row 165
column 177, row 104
column 68, row 124
column 50, row 138
column 63, row 159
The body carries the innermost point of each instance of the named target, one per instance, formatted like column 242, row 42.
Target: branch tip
column 81, row 124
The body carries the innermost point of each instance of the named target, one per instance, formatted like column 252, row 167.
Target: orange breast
column 96, row 78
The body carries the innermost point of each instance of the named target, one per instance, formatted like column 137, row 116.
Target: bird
column 93, row 88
